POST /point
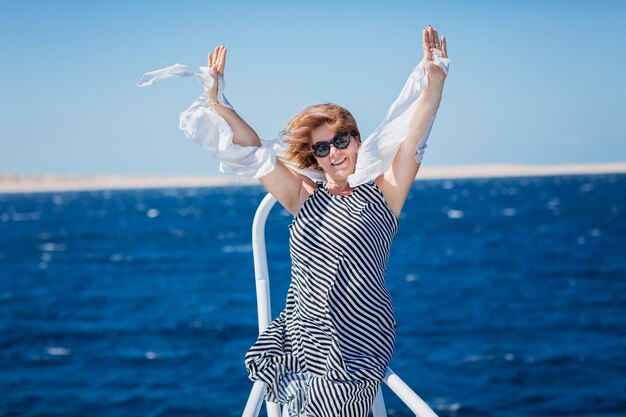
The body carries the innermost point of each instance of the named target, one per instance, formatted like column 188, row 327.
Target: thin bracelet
column 214, row 104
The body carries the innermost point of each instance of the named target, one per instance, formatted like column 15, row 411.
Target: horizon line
column 33, row 183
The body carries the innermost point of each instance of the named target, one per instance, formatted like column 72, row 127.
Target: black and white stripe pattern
column 327, row 352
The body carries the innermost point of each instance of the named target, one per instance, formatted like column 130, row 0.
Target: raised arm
column 288, row 187
column 397, row 180
column 243, row 134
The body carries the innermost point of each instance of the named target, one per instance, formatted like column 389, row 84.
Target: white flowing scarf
column 204, row 126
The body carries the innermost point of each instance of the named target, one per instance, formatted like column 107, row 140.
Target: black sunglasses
column 341, row 140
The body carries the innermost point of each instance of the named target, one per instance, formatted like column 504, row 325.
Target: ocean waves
column 510, row 298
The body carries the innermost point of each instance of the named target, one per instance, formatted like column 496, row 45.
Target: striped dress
column 328, row 350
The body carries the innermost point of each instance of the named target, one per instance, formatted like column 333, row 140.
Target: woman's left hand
column 216, row 66
column 432, row 44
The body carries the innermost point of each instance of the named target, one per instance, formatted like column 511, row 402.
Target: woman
column 327, row 352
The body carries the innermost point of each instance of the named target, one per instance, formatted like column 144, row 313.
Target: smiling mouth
column 339, row 163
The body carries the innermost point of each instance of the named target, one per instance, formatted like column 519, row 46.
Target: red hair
column 298, row 131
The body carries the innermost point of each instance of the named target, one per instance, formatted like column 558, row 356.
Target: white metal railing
column 255, row 400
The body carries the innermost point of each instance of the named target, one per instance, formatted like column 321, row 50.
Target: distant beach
column 28, row 183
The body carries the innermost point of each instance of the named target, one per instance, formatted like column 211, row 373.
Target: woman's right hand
column 431, row 44
column 216, row 64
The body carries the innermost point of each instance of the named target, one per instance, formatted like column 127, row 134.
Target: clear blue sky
column 530, row 82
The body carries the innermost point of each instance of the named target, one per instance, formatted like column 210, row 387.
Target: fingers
column 431, row 40
column 222, row 61
column 217, row 60
column 432, row 37
column 436, row 38
column 426, row 44
column 444, row 47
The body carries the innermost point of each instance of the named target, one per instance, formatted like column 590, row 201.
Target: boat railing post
column 255, row 400
column 264, row 308
column 261, row 273
column 407, row 395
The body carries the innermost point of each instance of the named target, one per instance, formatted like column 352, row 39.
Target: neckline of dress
column 323, row 183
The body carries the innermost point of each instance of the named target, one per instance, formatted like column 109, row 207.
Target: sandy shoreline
column 12, row 183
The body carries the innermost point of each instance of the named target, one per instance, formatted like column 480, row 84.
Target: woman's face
column 339, row 163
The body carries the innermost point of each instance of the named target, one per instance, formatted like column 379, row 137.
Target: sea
column 509, row 293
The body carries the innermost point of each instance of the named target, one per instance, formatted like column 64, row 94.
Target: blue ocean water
column 510, row 296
